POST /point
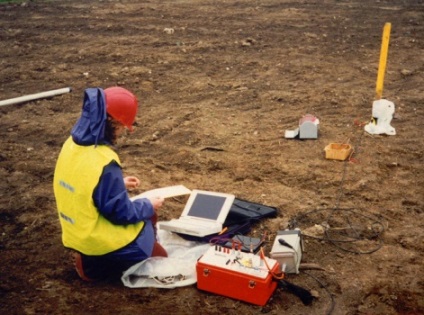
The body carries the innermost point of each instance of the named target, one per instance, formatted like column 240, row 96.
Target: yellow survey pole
column 383, row 60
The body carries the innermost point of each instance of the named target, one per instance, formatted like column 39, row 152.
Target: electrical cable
column 333, row 303
column 348, row 214
column 377, row 227
column 273, row 274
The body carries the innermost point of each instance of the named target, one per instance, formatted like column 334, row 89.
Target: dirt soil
column 219, row 83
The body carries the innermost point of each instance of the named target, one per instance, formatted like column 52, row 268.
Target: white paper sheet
column 164, row 192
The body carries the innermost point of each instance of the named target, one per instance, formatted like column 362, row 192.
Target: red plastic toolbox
column 238, row 275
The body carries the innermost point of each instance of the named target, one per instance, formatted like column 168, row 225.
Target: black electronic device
column 244, row 243
column 244, row 211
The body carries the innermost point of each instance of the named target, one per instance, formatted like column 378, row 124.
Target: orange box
column 338, row 151
column 221, row 275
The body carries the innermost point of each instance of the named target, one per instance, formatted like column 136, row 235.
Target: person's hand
column 157, row 202
column 131, row 182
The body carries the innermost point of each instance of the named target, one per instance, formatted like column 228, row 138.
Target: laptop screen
column 206, row 206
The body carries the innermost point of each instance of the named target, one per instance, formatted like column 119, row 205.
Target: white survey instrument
column 382, row 115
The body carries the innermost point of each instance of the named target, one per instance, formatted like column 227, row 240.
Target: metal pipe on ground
column 35, row 96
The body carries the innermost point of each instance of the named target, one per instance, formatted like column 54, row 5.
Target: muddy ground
column 219, row 83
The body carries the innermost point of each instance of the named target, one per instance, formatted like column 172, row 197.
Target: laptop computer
column 204, row 214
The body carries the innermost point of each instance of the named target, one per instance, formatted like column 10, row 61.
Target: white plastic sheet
column 176, row 270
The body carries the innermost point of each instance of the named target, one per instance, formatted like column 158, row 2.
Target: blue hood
column 90, row 127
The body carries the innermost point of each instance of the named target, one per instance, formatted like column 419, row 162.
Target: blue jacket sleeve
column 111, row 199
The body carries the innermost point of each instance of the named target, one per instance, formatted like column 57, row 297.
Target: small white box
column 286, row 255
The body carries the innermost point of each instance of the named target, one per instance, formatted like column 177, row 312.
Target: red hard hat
column 122, row 105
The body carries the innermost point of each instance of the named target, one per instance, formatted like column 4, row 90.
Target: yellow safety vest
column 84, row 229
